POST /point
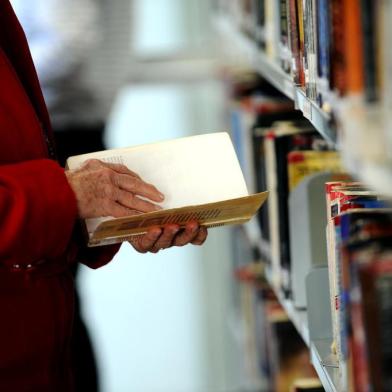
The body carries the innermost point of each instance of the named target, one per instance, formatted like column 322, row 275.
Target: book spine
column 272, row 28
column 330, row 234
column 358, row 349
column 259, row 11
column 384, row 303
column 368, row 11
column 338, row 65
column 343, row 287
column 273, row 208
column 353, row 47
column 310, row 56
column 285, row 57
column 323, row 39
column 301, row 32
column 294, row 41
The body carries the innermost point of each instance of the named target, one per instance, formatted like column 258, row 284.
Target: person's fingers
column 187, row 235
column 133, row 202
column 146, row 242
column 201, row 237
column 112, row 208
column 166, row 239
column 138, row 186
column 121, row 169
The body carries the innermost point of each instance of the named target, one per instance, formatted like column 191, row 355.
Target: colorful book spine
column 294, row 42
column 355, row 77
column 311, row 49
column 323, row 39
column 338, row 61
column 301, row 31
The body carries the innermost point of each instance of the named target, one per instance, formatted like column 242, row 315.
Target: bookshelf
column 318, row 339
column 320, row 348
column 313, row 325
column 254, row 58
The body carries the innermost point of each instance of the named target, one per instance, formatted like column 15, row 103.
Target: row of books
column 359, row 233
column 337, row 46
column 280, row 151
column 351, row 233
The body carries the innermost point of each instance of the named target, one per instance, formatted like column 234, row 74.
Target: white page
column 188, row 171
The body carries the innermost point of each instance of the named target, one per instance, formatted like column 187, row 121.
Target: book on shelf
column 199, row 175
column 284, row 48
column 367, row 289
column 359, row 231
column 262, row 125
column 279, row 141
column 294, row 41
column 323, row 50
column 335, row 46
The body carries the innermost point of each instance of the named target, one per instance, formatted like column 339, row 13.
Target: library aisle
column 158, row 321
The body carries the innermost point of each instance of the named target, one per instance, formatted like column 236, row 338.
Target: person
column 64, row 37
column 40, row 205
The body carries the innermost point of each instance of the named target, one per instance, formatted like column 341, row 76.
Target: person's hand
column 106, row 189
column 157, row 238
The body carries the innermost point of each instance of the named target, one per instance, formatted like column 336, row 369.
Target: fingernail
column 158, row 208
column 161, row 196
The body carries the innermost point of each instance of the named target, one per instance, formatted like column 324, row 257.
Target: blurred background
column 194, row 319
column 159, row 322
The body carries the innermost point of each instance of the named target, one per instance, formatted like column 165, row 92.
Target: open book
column 199, row 175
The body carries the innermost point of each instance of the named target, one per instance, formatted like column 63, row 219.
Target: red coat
column 37, row 237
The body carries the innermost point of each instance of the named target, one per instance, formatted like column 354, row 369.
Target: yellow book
column 305, row 163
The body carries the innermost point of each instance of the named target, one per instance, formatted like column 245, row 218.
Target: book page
column 188, row 171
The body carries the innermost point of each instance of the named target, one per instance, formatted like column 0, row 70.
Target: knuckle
column 108, row 174
column 91, row 163
column 110, row 192
column 123, row 167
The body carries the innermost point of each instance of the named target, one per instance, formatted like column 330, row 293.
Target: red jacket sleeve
column 37, row 212
column 97, row 257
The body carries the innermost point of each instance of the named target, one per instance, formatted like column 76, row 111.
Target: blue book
column 323, row 38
